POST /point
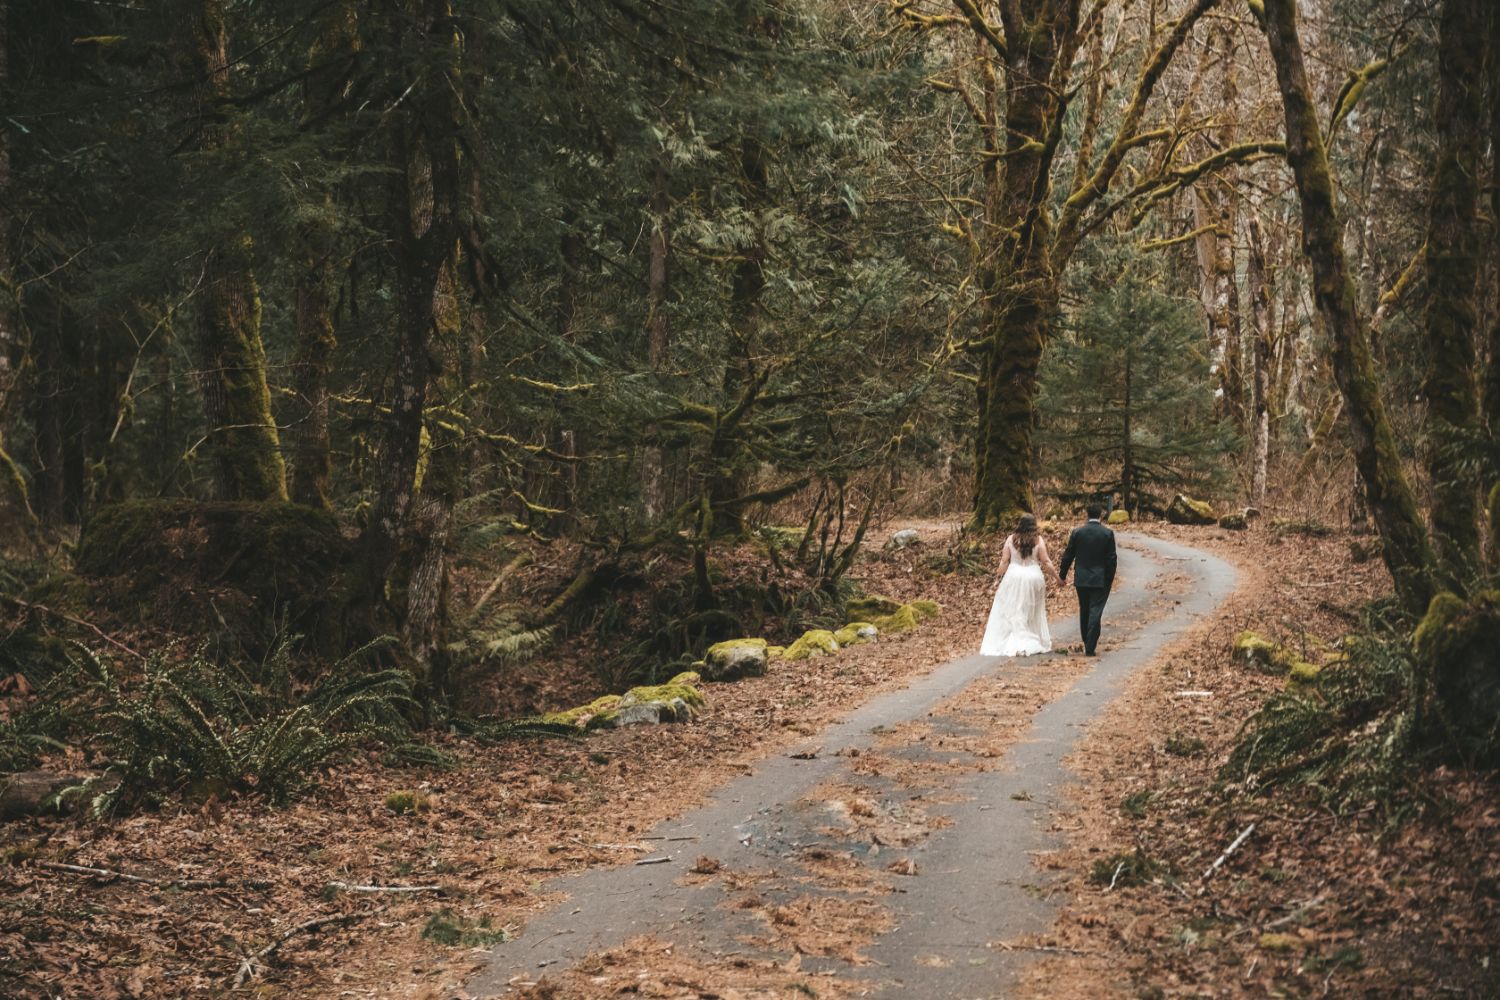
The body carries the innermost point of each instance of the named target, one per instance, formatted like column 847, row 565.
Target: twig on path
column 1234, row 846
column 171, row 883
column 346, row 887
column 654, row 861
column 1116, row 876
column 1041, row 947
column 249, row 965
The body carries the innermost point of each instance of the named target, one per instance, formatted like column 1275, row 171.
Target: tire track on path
column 971, row 829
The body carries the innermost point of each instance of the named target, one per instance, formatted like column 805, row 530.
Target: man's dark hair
column 1096, row 511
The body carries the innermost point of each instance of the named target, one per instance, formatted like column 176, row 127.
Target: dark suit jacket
column 1093, row 546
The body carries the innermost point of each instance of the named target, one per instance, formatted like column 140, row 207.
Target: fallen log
column 27, row 793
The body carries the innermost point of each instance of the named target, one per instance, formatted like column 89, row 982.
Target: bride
column 1018, row 618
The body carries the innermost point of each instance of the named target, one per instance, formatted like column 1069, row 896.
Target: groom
column 1093, row 545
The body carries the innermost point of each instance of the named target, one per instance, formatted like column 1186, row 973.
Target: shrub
column 188, row 724
column 1350, row 733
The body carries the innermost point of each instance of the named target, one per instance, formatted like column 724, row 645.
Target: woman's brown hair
column 1025, row 536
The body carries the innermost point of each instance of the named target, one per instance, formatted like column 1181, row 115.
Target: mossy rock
column 870, row 607
column 1121, row 516
column 736, row 658
column 775, row 652
column 590, row 716
column 926, row 609
column 1303, row 672
column 691, row 677
column 856, row 634
column 195, row 566
column 1256, row 650
column 815, row 642
column 403, row 802
column 1234, row 522
column 1455, row 646
column 903, row 619
column 1185, row 510
column 662, row 692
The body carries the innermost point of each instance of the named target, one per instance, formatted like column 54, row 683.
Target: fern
column 1350, row 736
column 189, row 722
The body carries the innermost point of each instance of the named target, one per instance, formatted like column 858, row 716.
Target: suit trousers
column 1090, row 614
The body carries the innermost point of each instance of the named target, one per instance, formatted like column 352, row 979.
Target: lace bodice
column 1015, row 553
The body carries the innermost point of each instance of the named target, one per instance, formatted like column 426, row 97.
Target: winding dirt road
column 902, row 853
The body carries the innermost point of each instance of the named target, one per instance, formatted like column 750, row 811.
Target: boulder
column 667, row 693
column 599, row 712
column 736, row 658
column 816, row 642
column 871, row 607
column 689, row 677
column 856, row 633
column 903, row 538
column 903, row 619
column 647, row 713
column 1185, row 510
column 1234, row 522
column 1118, row 517
column 926, row 609
column 1253, row 649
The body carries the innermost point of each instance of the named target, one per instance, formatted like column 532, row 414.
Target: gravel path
column 977, row 884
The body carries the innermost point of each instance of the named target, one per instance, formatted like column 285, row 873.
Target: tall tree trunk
column 1491, row 390
column 1127, row 444
column 424, row 219
column 1452, row 279
column 313, row 295
column 658, row 331
column 1259, row 286
column 1021, row 288
column 243, row 444
column 728, row 475
column 1407, row 552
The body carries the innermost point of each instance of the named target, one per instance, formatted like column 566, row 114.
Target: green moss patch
column 855, row 634
column 816, row 642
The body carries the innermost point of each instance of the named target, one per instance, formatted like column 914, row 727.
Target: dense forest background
column 322, row 322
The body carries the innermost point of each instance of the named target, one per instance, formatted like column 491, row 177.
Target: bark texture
column 1453, row 241
column 1404, row 537
column 312, row 464
column 243, row 444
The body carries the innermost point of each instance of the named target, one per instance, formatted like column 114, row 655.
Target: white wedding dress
column 1018, row 618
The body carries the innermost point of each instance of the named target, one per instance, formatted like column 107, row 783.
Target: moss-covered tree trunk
column 1407, row 552
column 243, row 444
column 423, row 220
column 1020, row 289
column 1453, row 242
column 313, row 294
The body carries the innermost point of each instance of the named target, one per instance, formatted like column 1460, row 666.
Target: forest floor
column 1357, row 908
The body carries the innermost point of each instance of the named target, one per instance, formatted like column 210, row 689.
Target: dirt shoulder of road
column 489, row 831
column 1310, row 903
